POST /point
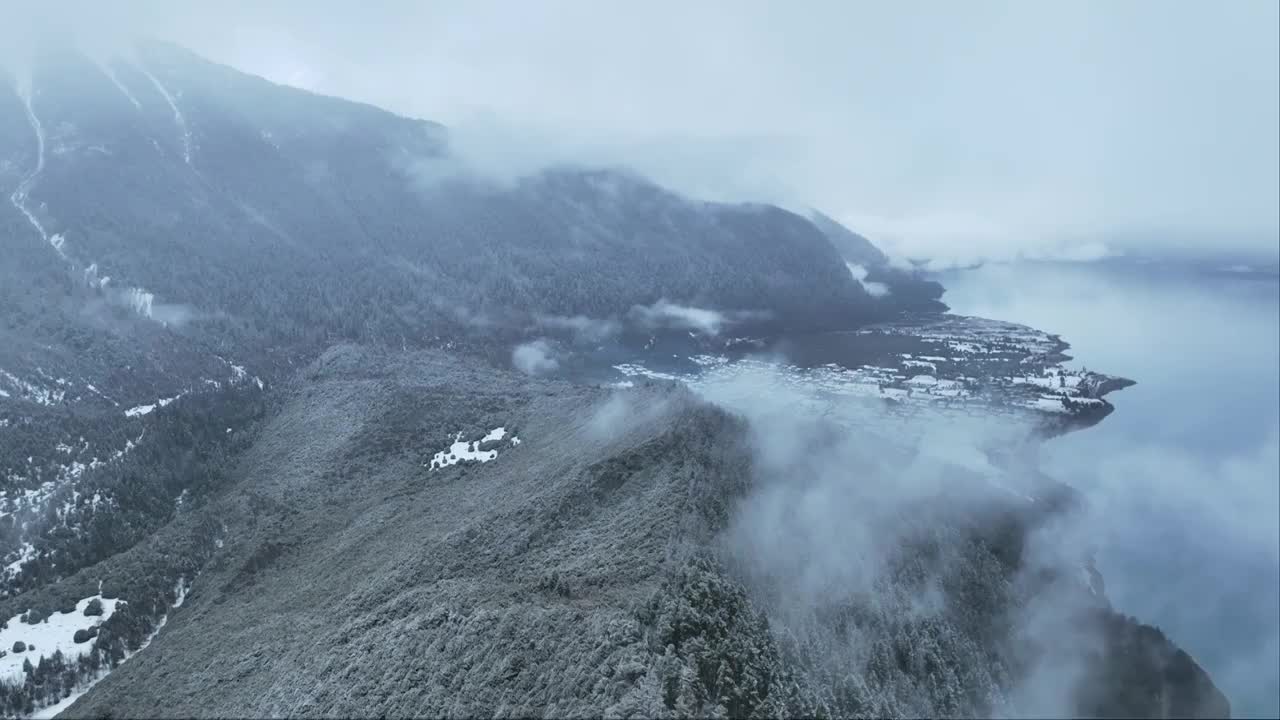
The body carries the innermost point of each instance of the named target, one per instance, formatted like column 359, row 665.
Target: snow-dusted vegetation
column 989, row 369
column 645, row 554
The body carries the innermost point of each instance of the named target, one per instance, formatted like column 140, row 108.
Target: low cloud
column 853, row 508
column 428, row 174
column 874, row 289
column 1181, row 479
column 584, row 329
column 1204, row 531
column 837, row 494
column 664, row 314
column 536, row 357
column 172, row 314
column 464, row 315
column 623, row 412
column 1039, row 150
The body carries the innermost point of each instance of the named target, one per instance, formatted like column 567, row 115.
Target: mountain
column 264, row 448
column 175, row 228
column 579, row 569
column 873, row 270
column 197, row 195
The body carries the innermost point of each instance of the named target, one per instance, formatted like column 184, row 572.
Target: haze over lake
column 1183, row 476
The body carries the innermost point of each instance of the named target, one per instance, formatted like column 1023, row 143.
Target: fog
column 1184, row 478
column 536, row 357
column 949, row 133
column 874, row 289
column 852, row 517
column 584, row 329
column 1181, row 483
column 666, row 314
column 1063, row 129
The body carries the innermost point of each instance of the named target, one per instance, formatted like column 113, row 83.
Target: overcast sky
column 937, row 128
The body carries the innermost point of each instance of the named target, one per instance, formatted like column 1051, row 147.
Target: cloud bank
column 874, row 289
column 664, row 314
column 988, row 130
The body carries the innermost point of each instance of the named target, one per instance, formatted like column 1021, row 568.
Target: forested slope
column 187, row 442
column 175, row 230
column 584, row 569
column 268, row 214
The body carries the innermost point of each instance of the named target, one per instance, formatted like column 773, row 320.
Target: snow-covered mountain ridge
column 258, row 344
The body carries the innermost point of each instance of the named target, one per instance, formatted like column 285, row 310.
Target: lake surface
column 1184, row 477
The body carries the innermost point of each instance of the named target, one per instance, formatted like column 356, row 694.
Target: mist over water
column 1182, row 478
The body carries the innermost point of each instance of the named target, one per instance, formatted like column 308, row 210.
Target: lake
column 1184, row 477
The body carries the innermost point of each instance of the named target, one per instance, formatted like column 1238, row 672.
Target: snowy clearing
column 50, row 711
column 140, row 410
column 56, row 632
column 470, row 451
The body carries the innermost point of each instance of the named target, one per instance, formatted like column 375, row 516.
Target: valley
column 384, row 437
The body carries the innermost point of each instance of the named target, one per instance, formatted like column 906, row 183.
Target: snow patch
column 140, row 301
column 470, row 451
column 32, row 392
column 180, row 592
column 51, row 711
column 100, row 394
column 637, row 370
column 25, row 553
column 924, row 364
column 91, row 277
column 141, row 410
column 1049, row 403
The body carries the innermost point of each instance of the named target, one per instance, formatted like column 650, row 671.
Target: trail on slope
column 137, row 299
column 106, row 70
column 22, row 192
column 177, row 113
